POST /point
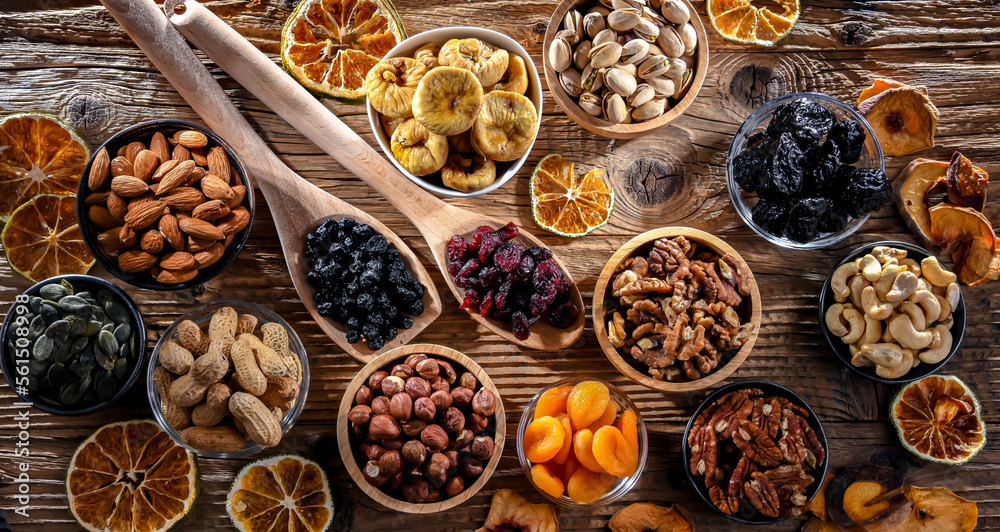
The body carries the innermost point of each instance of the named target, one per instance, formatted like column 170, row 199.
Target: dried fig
column 447, row 100
column 486, row 62
column 468, row 173
column 391, row 83
column 417, row 149
column 506, row 126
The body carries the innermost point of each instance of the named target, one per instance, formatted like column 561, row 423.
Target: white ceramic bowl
column 505, row 170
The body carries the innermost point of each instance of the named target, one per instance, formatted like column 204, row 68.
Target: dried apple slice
column 959, row 224
column 940, row 510
column 911, row 194
column 903, row 118
column 966, row 183
column 878, row 87
column 977, row 263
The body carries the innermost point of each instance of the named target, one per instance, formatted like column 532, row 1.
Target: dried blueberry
column 787, row 167
column 771, row 214
column 353, row 336
column 850, row 139
column 403, row 322
column 377, row 244
column 804, row 219
column 365, row 301
column 803, row 118
column 415, row 308
column 375, row 342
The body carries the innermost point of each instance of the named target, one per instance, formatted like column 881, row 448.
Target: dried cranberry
column 502, row 294
column 477, row 236
column 564, row 315
column 489, row 243
column 457, row 246
column 508, row 231
column 471, row 299
column 455, row 267
column 468, row 282
column 469, row 268
column 486, row 305
column 522, row 325
column 540, row 303
column 524, row 269
column 539, row 253
column 547, row 276
column 507, row 256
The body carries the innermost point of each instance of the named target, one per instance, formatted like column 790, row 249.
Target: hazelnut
column 363, row 396
column 360, row 414
column 372, row 475
column 416, row 491
column 435, row 496
column 447, row 371
column 390, row 464
column 412, row 472
column 375, row 380
column 417, row 387
column 413, row 427
column 357, row 432
column 383, row 427
column 462, row 397
column 468, row 380
column 414, row 452
column 482, row 447
column 453, row 420
column 428, row 369
column 438, row 465
column 476, row 422
column 454, row 486
column 375, row 452
column 439, row 385
column 463, row 439
column 484, row 403
column 415, row 359
column 434, row 437
column 442, row 400
column 394, row 444
column 401, row 407
column 424, row 409
column 472, row 467
column 395, row 482
column 402, row 371
column 453, row 456
column 380, row 405
column 436, row 481
column 392, row 385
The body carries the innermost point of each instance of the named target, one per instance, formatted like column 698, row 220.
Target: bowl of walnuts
column 676, row 310
column 421, row 428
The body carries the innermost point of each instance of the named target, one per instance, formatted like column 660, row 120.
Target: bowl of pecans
column 676, row 310
column 165, row 205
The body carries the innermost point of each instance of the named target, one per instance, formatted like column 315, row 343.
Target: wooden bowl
column 750, row 306
column 397, row 356
column 599, row 125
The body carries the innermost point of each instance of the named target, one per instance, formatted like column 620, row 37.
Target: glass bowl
column 871, row 157
column 623, row 485
column 201, row 315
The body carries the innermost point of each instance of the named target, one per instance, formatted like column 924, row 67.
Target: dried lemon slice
column 486, row 62
column 938, row 418
column 391, row 84
column 283, row 493
column 417, row 149
column 42, row 238
column 743, row 22
column 565, row 204
column 506, row 126
column 447, row 100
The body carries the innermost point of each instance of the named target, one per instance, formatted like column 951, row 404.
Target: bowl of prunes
column 805, row 171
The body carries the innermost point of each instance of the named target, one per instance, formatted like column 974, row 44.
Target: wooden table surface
column 69, row 58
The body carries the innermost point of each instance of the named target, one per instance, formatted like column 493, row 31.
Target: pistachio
column 642, row 94
column 675, row 11
column 614, row 108
column 560, row 55
column 650, row 109
column 592, row 78
column 593, row 23
column 605, row 54
column 654, row 66
column 676, row 68
column 591, row 103
column 646, row 30
column 624, row 4
column 619, row 81
column 628, row 69
column 604, row 36
column 624, row 19
column 634, row 51
column 663, row 86
column 600, row 10
column 682, row 88
column 690, row 38
column 569, row 80
column 670, row 42
column 574, row 21
column 572, row 36
column 581, row 55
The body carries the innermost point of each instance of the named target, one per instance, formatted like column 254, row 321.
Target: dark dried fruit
column 787, row 167
column 822, row 164
column 457, row 246
column 864, row 190
column 771, row 214
column 564, row 315
column 804, row 219
column 850, row 139
column 507, row 256
column 750, row 167
column 803, row 118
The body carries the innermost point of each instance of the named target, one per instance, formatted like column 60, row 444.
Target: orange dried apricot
column 570, row 467
column 586, row 403
column 567, row 446
column 613, row 452
column 552, row 401
column 586, row 486
column 547, row 479
column 610, row 412
column 583, row 448
column 543, row 439
column 628, row 424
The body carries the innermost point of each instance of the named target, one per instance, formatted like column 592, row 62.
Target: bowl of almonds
column 165, row 205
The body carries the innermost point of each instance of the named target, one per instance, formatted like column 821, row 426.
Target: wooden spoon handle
column 266, row 80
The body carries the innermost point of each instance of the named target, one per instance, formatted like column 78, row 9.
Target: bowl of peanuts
column 228, row 379
column 676, row 310
column 165, row 205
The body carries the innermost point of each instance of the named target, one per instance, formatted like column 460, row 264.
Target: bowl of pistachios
column 625, row 68
column 72, row 344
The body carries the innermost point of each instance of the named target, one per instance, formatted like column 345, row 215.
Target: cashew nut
column 911, row 266
column 887, row 334
column 886, row 254
column 915, row 313
column 922, row 284
column 934, row 272
column 904, row 285
column 834, row 323
column 873, row 331
column 953, row 295
column 870, row 267
column 929, row 303
column 935, row 338
column 905, row 365
column 884, row 282
column 838, row 282
column 857, row 358
column 856, row 326
column 872, row 306
column 888, row 355
column 949, row 321
column 916, row 359
column 857, row 284
column 937, row 354
column 945, row 307
column 908, row 336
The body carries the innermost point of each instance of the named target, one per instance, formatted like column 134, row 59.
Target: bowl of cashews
column 892, row 312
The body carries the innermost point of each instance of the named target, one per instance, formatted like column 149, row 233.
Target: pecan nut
column 793, row 438
column 704, row 452
column 732, row 408
column 762, row 494
column 750, row 439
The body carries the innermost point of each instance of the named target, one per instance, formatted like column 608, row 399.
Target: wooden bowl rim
column 344, row 439
column 597, row 313
column 621, row 131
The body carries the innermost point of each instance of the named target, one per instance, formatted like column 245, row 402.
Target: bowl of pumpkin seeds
column 72, row 344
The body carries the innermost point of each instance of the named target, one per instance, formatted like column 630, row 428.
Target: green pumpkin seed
column 93, row 327
column 79, row 344
column 105, row 361
column 109, row 326
column 107, row 342
column 81, row 369
column 32, row 384
column 37, row 367
column 104, row 385
column 43, row 347
column 125, row 351
column 37, row 327
column 77, row 325
column 86, row 357
column 68, row 286
column 58, row 331
column 73, row 391
column 62, row 351
column 116, row 311
column 36, row 304
column 55, row 292
column 49, row 313
column 84, row 295
column 73, row 304
column 99, row 313
column 121, row 368
column 58, row 374
column 122, row 332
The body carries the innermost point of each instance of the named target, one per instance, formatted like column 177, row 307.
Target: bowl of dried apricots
column 582, row 443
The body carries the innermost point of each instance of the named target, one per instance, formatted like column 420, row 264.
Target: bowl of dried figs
column 165, row 205
column 421, row 428
column 676, row 310
column 755, row 452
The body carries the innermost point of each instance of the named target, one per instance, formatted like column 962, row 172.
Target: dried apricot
column 583, row 442
column 628, row 424
column 543, row 439
column 567, row 446
column 613, row 452
column 610, row 413
column 547, row 479
column 552, row 401
column 586, row 403
column 570, row 467
column 586, row 486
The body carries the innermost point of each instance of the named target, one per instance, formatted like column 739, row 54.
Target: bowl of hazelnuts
column 421, row 428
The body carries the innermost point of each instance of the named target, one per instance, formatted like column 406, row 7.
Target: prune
column 507, row 256
column 804, row 219
column 564, row 315
column 787, row 167
column 457, row 246
column 803, row 118
column 508, row 231
column 771, row 214
column 822, row 163
column 850, row 139
column 864, row 190
column 833, row 220
column 750, row 168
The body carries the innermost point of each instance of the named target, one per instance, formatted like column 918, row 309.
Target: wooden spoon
column 436, row 220
column 297, row 206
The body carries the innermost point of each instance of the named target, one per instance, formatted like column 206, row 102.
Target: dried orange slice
column 938, row 419
column 38, row 154
column 42, row 238
column 330, row 45
column 565, row 204
column 744, row 22
column 130, row 476
column 281, row 493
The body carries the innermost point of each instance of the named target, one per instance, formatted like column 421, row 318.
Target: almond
column 184, row 198
column 177, row 260
column 191, row 139
column 196, row 175
column 239, row 194
column 127, row 236
column 210, row 210
column 136, row 261
column 145, row 198
column 109, row 240
column 121, row 166
column 145, row 215
column 216, row 188
column 176, row 277
column 237, row 219
column 128, row 187
column 133, row 149
column 163, row 169
column 210, row 256
column 174, row 177
column 151, row 241
column 96, row 198
column 101, row 217
column 196, row 245
column 121, row 151
column 218, row 164
column 181, row 153
column 99, row 170
column 229, row 240
column 171, row 231
column 145, row 164
column 158, row 145
column 117, row 207
column 200, row 156
column 201, row 229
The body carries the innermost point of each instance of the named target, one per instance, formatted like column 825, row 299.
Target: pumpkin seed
column 76, row 324
column 107, row 342
column 86, row 357
column 79, row 344
column 37, row 367
column 48, row 313
column 122, row 332
column 73, row 304
column 93, row 327
column 104, row 385
column 43, row 347
column 73, row 391
column 58, row 374
column 55, row 292
column 121, row 368
column 109, row 326
column 90, row 396
column 105, row 361
column 68, row 286
column 36, row 304
column 32, row 384
column 58, row 331
column 116, row 311
column 36, row 328
column 62, row 353
column 99, row 314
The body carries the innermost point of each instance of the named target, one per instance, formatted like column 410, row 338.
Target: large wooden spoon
column 297, row 206
column 436, row 220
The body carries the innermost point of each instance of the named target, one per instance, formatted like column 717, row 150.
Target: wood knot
column 753, row 85
column 89, row 114
column 541, row 27
column 650, row 182
column 856, row 33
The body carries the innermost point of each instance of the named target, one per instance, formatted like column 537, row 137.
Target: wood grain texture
column 69, row 58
